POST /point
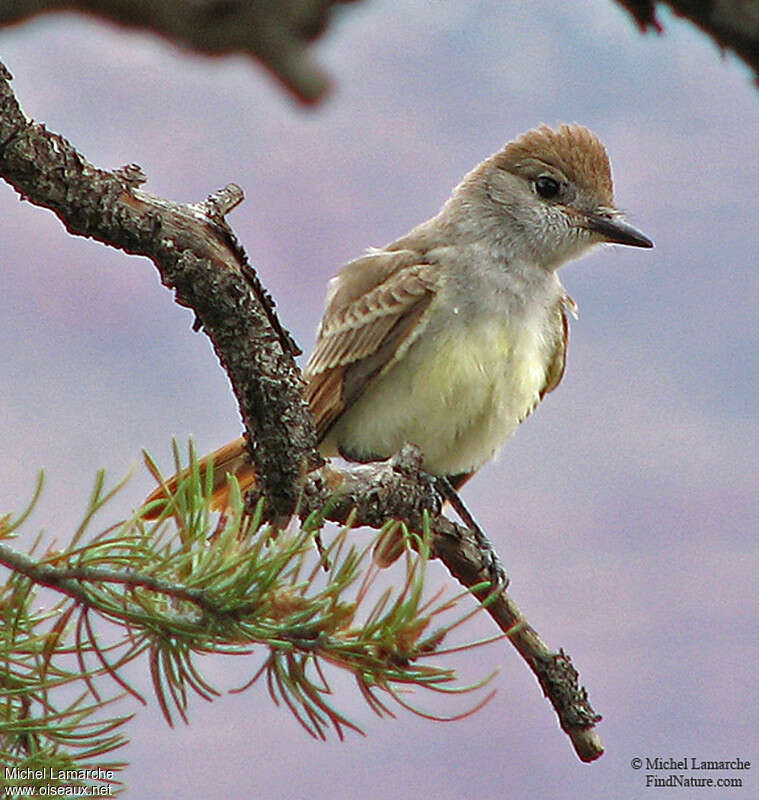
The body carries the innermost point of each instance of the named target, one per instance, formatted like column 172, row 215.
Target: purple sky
column 626, row 508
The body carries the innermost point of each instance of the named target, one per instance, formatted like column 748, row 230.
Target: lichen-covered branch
column 198, row 256
column 398, row 488
column 275, row 33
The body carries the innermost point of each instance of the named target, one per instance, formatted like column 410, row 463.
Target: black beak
column 616, row 231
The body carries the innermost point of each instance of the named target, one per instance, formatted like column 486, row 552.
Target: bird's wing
column 373, row 315
column 555, row 371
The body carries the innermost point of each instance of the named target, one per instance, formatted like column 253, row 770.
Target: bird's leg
column 498, row 577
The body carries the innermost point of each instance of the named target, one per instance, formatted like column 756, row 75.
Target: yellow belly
column 458, row 396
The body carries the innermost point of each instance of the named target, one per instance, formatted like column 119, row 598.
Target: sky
column 625, row 509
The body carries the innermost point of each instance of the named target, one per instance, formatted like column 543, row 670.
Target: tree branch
column 275, row 33
column 398, row 488
column 197, row 254
column 729, row 24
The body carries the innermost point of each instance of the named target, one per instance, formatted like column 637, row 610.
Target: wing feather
column 360, row 336
column 555, row 371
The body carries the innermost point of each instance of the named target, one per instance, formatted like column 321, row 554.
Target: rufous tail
column 231, row 459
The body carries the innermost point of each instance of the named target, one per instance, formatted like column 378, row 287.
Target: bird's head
column 552, row 189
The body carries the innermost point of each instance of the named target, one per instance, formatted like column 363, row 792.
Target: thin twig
column 68, row 580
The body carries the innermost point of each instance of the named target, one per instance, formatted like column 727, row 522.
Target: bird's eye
column 547, row 187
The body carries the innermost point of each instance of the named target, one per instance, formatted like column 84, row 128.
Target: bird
column 450, row 336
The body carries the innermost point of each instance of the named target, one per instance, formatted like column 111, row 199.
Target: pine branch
column 195, row 585
column 39, row 737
